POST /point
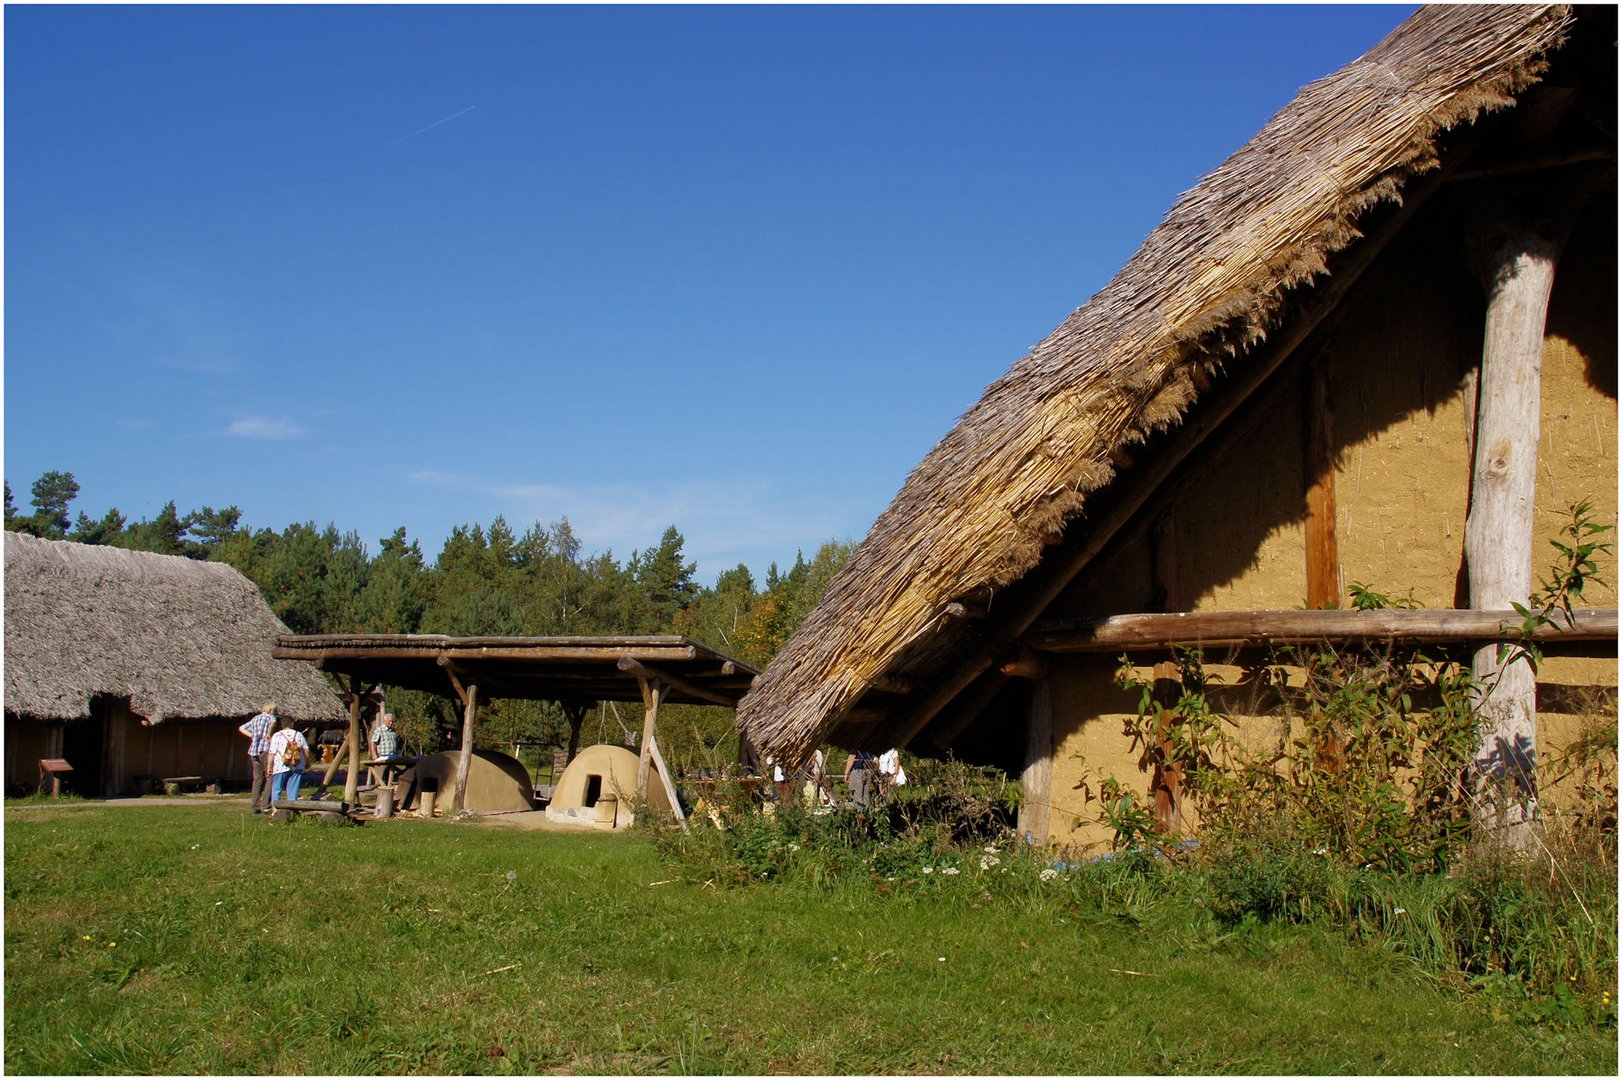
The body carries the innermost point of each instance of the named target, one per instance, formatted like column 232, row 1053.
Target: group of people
column 278, row 754
column 867, row 776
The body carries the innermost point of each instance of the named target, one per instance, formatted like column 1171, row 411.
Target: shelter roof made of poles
column 567, row 669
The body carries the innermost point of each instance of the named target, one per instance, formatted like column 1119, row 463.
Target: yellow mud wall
column 1401, row 356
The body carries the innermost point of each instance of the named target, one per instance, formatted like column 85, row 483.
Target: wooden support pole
column 653, row 692
column 1167, row 780
column 670, row 785
column 1323, row 551
column 1515, row 257
column 575, row 713
column 352, row 778
column 1037, row 777
column 337, row 759
column 464, row 761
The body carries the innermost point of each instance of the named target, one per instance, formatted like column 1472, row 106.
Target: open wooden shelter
column 574, row 671
column 134, row 667
column 1377, row 344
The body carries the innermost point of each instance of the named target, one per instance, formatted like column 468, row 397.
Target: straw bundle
column 1208, row 285
column 181, row 639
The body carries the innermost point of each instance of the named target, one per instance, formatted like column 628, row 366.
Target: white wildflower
column 929, row 869
column 991, row 849
column 1049, row 874
column 1400, row 911
column 988, row 861
column 950, row 870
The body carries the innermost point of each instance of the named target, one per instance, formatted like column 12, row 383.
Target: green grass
column 202, row 939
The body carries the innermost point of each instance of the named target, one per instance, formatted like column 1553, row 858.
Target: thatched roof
column 1207, row 287
column 181, row 639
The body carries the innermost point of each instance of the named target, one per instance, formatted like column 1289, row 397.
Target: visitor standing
column 258, row 730
column 289, row 752
column 385, row 745
column 858, row 770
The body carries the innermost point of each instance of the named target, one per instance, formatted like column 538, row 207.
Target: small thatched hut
column 1282, row 393
column 134, row 666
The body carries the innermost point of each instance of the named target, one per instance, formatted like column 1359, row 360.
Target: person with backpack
column 289, row 753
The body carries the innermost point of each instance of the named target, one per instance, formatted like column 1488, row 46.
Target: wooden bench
column 326, row 809
column 174, row 785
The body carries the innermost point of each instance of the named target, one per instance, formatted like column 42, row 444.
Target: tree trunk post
column 1035, row 808
column 653, row 692
column 464, row 760
column 352, row 778
column 1516, row 262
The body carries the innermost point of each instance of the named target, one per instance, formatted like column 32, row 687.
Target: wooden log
column 1516, row 261
column 891, row 684
column 652, row 694
column 1224, row 629
column 464, row 761
column 1037, row 777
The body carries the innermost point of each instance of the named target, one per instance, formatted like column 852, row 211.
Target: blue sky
column 731, row 268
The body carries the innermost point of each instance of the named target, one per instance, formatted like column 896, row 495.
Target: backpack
column 291, row 754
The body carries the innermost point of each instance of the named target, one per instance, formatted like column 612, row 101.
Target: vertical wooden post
column 653, row 692
column 464, row 762
column 575, row 713
column 1323, row 554
column 1167, row 781
column 352, row 779
column 1035, row 817
column 1515, row 256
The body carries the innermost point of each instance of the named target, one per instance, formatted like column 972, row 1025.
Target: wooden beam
column 449, row 666
column 1322, row 548
column 967, row 707
column 891, row 684
column 664, row 778
column 1062, row 566
column 1025, row 664
column 1223, row 629
column 645, row 673
column 464, row 760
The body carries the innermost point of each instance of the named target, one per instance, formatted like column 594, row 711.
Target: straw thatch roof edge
column 1208, row 285
column 182, row 639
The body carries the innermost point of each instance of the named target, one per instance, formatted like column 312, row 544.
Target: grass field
column 203, row 939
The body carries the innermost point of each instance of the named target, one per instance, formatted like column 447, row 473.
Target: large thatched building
column 134, row 666
column 1281, row 394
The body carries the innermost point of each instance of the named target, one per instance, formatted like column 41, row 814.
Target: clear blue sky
column 731, row 268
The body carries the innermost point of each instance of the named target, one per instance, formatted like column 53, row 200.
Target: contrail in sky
column 435, row 124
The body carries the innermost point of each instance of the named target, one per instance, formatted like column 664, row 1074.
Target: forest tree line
column 485, row 580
